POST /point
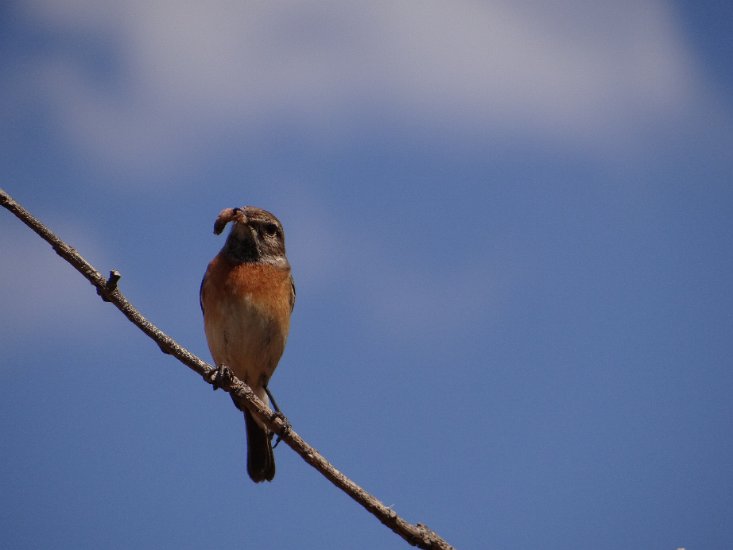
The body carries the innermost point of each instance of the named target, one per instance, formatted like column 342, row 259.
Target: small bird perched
column 247, row 296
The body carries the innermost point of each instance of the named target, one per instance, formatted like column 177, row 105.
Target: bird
column 247, row 296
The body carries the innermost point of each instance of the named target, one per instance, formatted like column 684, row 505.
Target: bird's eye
column 271, row 229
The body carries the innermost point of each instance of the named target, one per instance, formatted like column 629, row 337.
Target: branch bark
column 416, row 534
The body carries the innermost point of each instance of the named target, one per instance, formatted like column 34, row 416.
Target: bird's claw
column 285, row 428
column 221, row 376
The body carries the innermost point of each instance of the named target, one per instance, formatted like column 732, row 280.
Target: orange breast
column 247, row 317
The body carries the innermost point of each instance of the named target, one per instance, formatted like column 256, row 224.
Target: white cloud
column 187, row 71
column 181, row 74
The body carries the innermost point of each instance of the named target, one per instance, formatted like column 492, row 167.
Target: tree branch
column 416, row 534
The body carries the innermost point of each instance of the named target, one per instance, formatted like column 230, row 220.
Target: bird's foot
column 220, row 376
column 285, row 428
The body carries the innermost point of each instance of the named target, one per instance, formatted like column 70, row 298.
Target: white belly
column 246, row 340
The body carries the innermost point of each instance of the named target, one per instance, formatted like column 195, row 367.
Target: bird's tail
column 260, row 459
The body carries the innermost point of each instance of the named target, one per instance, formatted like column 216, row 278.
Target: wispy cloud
column 168, row 77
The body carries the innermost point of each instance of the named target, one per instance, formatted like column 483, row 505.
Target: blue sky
column 510, row 228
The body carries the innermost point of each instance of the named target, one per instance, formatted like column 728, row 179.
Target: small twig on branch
column 416, row 534
column 111, row 284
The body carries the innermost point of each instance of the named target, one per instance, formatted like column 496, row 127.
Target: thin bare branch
column 416, row 534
